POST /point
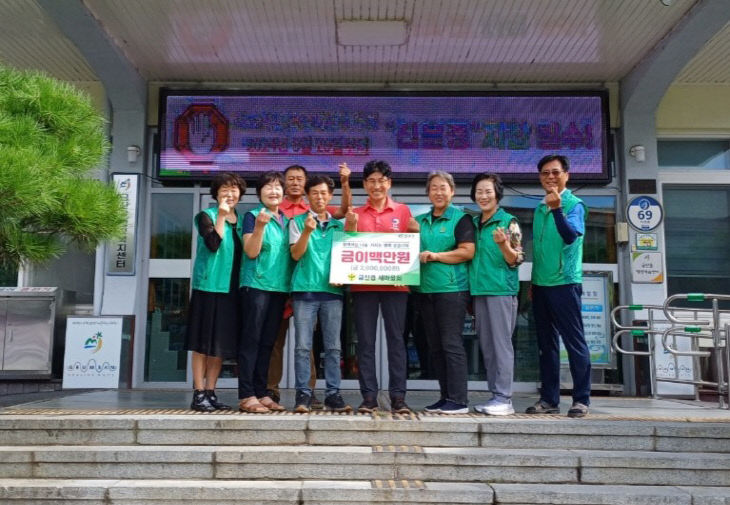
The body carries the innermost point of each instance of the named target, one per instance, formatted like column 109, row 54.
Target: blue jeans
column 306, row 313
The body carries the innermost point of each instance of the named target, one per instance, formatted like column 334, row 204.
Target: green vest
column 212, row 270
column 271, row 269
column 312, row 271
column 437, row 235
column 554, row 262
column 489, row 273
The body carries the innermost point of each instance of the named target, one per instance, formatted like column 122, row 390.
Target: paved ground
column 619, row 407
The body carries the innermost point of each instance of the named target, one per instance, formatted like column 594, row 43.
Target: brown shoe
column 399, row 406
column 251, row 405
column 270, row 404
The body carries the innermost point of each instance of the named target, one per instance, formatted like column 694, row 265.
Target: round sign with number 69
column 644, row 213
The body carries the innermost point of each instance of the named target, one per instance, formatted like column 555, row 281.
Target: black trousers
column 393, row 305
column 443, row 322
column 262, row 313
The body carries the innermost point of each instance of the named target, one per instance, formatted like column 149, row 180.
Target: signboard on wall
column 92, row 354
column 668, row 366
column 646, row 242
column 202, row 133
column 646, row 268
column 120, row 254
column 596, row 311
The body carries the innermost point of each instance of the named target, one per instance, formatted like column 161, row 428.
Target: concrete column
column 641, row 92
column 126, row 92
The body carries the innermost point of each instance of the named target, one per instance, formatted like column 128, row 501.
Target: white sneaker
column 498, row 409
column 482, row 408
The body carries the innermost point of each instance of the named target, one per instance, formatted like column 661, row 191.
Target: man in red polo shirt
column 380, row 214
column 295, row 177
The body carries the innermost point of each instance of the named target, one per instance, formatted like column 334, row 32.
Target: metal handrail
column 694, row 332
column 634, row 333
column 691, row 297
column 698, row 325
column 638, row 331
column 620, row 308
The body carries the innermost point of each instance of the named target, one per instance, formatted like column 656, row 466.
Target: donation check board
column 375, row 258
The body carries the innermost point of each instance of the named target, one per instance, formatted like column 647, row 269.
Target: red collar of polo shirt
column 287, row 205
column 389, row 204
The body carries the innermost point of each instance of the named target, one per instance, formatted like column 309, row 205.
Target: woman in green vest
column 214, row 314
column 447, row 244
column 494, row 283
column 265, row 283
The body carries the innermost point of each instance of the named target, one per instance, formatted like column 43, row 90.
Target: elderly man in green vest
column 310, row 238
column 557, row 275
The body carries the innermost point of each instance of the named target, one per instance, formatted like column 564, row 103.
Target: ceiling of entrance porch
column 305, row 42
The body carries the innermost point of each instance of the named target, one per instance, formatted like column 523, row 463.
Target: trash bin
column 27, row 317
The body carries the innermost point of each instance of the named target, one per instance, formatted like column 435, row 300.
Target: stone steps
column 431, row 431
column 342, row 463
column 350, row 492
column 159, row 459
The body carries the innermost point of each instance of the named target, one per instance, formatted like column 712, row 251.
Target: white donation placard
column 93, row 352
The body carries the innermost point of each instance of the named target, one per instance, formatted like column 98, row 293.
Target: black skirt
column 214, row 323
column 214, row 319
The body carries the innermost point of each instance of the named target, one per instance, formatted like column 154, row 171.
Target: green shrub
column 51, row 141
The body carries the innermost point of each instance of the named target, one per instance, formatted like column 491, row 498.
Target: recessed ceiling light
column 371, row 33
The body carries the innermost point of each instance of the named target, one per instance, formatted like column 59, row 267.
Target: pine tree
column 51, row 140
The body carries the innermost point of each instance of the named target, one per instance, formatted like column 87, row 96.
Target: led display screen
column 202, row 133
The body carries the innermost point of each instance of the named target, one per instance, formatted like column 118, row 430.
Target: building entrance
column 172, row 242
column 164, row 363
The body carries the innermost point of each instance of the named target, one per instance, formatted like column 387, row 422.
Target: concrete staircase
column 177, row 458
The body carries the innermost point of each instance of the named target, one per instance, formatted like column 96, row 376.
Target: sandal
column 251, row 405
column 270, row 404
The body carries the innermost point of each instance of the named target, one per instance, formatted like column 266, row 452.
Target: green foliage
column 51, row 140
column 8, row 277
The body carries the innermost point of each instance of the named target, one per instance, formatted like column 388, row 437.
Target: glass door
column 697, row 236
column 695, row 188
column 170, row 265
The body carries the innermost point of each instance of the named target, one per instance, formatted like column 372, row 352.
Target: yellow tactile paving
column 421, row 416
column 398, row 484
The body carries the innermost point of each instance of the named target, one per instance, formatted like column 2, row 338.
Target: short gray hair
column 444, row 175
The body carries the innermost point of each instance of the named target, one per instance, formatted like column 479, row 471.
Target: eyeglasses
column 548, row 173
column 376, row 182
